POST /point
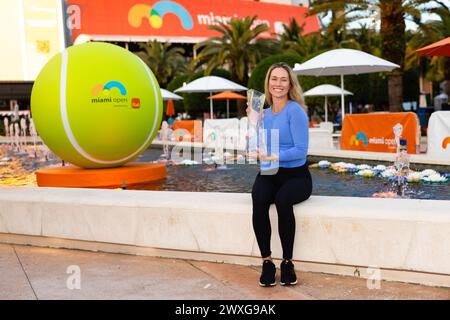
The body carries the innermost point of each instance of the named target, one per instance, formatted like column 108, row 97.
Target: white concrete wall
column 392, row 234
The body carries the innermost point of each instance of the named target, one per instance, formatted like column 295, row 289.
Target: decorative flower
column 366, row 173
column 363, row 167
column 187, row 162
column 388, row 173
column 324, row 164
column 413, row 177
column 428, row 172
column 343, row 167
column 435, row 178
column 379, row 168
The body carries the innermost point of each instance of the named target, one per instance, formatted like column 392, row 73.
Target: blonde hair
column 295, row 90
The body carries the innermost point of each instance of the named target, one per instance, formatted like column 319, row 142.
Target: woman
column 284, row 178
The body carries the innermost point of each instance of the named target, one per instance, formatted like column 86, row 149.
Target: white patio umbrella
column 325, row 90
column 343, row 62
column 167, row 95
column 211, row 84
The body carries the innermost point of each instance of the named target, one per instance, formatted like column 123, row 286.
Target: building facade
column 38, row 29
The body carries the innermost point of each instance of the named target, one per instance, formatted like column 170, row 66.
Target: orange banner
column 178, row 21
column 188, row 130
column 374, row 132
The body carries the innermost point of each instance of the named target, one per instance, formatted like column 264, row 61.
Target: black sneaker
column 288, row 276
column 268, row 274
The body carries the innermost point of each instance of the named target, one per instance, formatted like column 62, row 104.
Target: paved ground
column 42, row 273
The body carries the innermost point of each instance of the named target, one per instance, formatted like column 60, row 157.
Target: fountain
column 6, row 125
column 165, row 137
column 401, row 165
column 218, row 150
column 33, row 134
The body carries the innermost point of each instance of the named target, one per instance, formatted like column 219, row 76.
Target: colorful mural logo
column 355, row 139
column 156, row 14
column 107, row 88
column 445, row 142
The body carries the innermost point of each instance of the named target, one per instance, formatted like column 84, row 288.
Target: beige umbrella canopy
column 211, row 84
column 340, row 62
column 326, row 90
column 167, row 95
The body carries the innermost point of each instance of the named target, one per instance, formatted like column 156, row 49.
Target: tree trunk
column 241, row 104
column 241, row 107
column 395, row 84
column 393, row 48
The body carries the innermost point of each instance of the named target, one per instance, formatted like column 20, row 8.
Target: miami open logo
column 445, row 142
column 156, row 14
column 105, row 89
column 356, row 139
column 113, row 92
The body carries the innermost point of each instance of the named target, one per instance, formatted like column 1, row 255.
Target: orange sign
column 374, row 132
column 177, row 21
column 188, row 130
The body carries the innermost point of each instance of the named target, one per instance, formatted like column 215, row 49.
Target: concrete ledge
column 409, row 240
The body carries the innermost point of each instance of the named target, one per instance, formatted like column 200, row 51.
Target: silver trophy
column 255, row 128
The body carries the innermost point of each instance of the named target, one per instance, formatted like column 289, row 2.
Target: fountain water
column 6, row 125
column 218, row 150
column 401, row 164
column 165, row 134
column 33, row 134
column 23, row 130
column 16, row 137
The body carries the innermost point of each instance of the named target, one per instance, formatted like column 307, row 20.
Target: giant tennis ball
column 96, row 105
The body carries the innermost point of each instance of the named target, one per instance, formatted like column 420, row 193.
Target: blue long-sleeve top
column 292, row 125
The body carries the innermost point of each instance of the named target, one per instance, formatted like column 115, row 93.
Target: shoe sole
column 268, row 285
column 288, row 284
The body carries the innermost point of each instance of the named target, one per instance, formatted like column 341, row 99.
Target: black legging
column 286, row 188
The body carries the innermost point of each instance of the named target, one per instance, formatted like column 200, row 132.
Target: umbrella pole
column 342, row 99
column 326, row 108
column 228, row 108
column 210, row 106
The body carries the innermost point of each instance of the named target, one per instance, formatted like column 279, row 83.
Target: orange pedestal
column 74, row 177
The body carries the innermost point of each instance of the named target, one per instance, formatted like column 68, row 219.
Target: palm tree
column 291, row 33
column 292, row 40
column 165, row 60
column 392, row 15
column 438, row 68
column 336, row 30
column 239, row 46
